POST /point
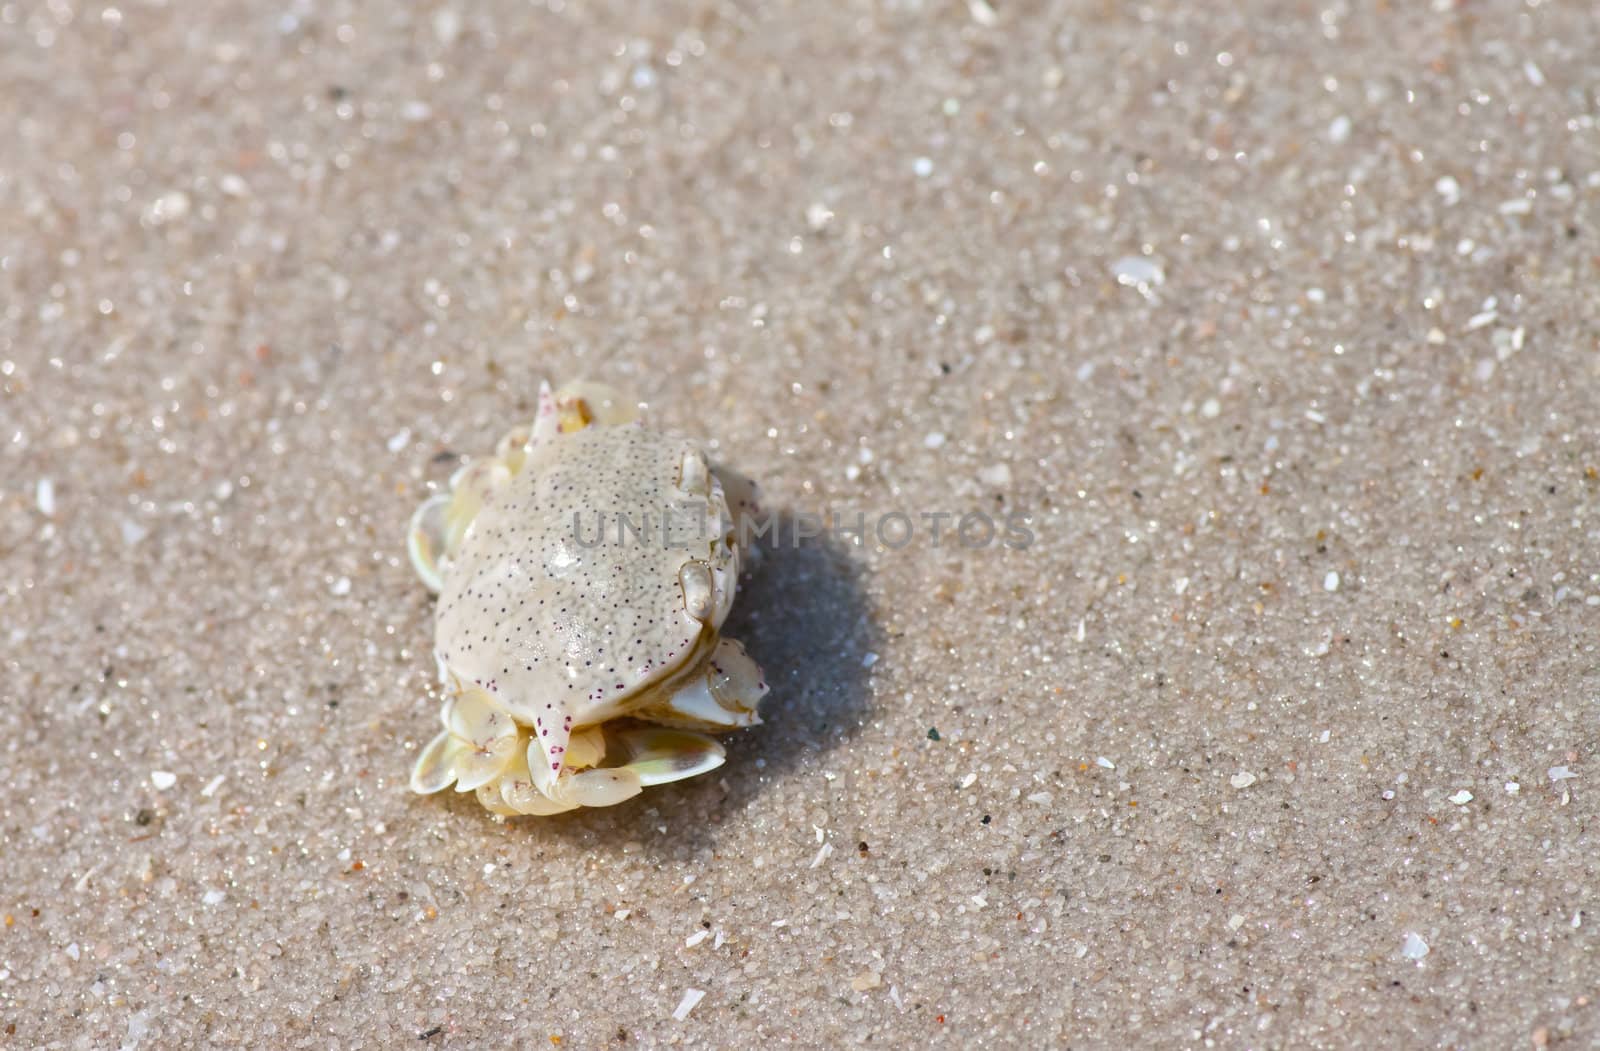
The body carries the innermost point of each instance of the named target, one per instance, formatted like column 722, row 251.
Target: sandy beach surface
column 1277, row 322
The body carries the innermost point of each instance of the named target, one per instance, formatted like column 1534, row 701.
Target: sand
column 1278, row 324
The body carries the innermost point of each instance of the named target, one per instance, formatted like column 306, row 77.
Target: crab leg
column 479, row 752
column 515, row 793
column 724, row 698
column 425, row 540
column 654, row 756
column 547, row 763
column 438, row 526
column 744, row 496
column 435, row 768
column 658, row 755
column 478, row 742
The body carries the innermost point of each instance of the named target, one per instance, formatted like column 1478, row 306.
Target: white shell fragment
column 584, row 572
column 691, row 998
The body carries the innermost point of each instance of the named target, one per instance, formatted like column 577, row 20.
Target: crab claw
column 477, row 744
column 518, row 793
column 652, row 755
column 552, row 777
column 490, row 736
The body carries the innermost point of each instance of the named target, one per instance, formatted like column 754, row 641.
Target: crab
column 582, row 661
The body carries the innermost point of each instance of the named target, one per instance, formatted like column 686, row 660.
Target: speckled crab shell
column 582, row 661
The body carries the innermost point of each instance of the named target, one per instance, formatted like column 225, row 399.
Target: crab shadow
column 803, row 614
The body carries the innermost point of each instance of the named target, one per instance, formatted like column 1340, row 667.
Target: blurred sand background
column 1280, row 320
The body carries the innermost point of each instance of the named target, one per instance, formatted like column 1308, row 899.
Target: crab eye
column 695, row 577
column 575, row 415
column 693, row 474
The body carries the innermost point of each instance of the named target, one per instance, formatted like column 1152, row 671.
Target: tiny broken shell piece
column 658, row 756
column 695, row 576
column 435, row 768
